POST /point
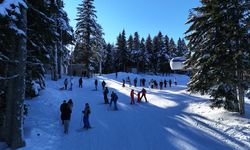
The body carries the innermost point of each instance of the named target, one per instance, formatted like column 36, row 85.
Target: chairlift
column 177, row 63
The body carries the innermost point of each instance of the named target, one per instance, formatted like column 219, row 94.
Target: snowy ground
column 173, row 119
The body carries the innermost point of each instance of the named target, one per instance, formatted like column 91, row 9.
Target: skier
column 155, row 84
column 70, row 104
column 86, row 113
column 143, row 82
column 123, row 83
column 103, row 84
column 105, row 94
column 139, row 97
column 175, row 82
column 129, row 82
column 116, row 74
column 170, row 82
column 62, row 108
column 80, row 82
column 151, row 83
column 161, row 84
column 71, row 84
column 165, row 83
column 135, row 82
column 143, row 91
column 114, row 99
column 96, row 82
column 65, row 84
column 132, row 97
column 66, row 114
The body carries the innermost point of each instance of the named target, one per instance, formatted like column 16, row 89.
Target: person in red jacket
column 139, row 97
column 143, row 91
column 132, row 97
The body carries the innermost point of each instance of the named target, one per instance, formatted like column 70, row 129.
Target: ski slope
column 172, row 119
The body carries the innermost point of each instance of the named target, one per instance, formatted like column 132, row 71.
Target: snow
column 172, row 119
column 17, row 30
column 7, row 5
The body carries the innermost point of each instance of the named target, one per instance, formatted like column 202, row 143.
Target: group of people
column 139, row 96
column 66, row 107
column 163, row 83
column 66, row 110
column 114, row 97
column 66, row 83
column 142, row 82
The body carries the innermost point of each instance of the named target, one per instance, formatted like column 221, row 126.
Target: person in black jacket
column 80, row 82
column 103, row 85
column 161, row 84
column 114, row 99
column 86, row 113
column 96, row 83
column 66, row 115
column 62, row 108
column 105, row 94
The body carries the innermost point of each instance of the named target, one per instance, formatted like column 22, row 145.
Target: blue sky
column 144, row 16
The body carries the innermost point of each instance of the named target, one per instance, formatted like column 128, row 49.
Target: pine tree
column 122, row 52
column 172, row 48
column 142, row 56
column 136, row 47
column 136, row 41
column 13, row 42
column 217, row 39
column 155, row 55
column 166, row 45
column 130, row 51
column 181, row 48
column 87, row 32
column 149, row 51
column 48, row 20
column 163, row 55
column 109, row 66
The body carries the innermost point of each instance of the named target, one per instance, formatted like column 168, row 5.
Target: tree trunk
column 241, row 93
column 15, row 92
column 54, row 64
column 100, row 66
column 60, row 66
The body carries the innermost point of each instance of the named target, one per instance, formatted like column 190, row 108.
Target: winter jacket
column 144, row 92
column 65, row 82
column 66, row 113
column 86, row 111
column 114, row 97
column 106, row 91
column 132, row 94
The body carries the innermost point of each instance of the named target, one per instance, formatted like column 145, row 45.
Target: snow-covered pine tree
column 166, row 45
column 172, row 48
column 98, row 46
column 142, row 56
column 87, row 31
column 131, row 52
column 218, row 42
column 136, row 49
column 49, row 32
column 162, row 54
column 155, row 55
column 66, row 37
column 181, row 48
column 12, row 73
column 122, row 54
column 149, row 51
column 164, row 66
column 109, row 65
